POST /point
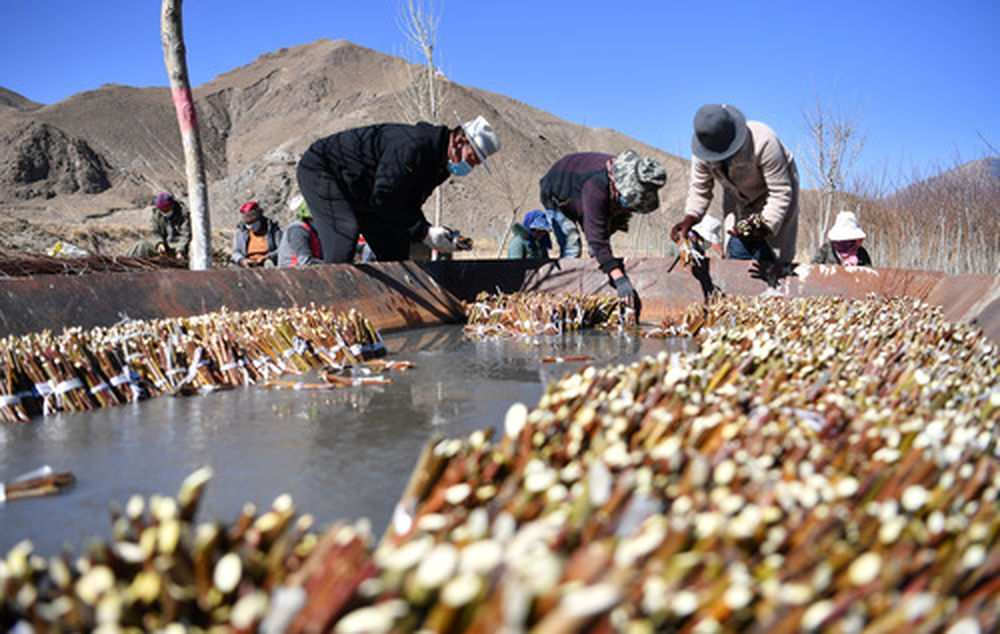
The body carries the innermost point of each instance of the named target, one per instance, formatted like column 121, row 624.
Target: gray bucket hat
column 638, row 180
column 719, row 132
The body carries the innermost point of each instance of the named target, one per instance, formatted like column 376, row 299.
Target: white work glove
column 442, row 239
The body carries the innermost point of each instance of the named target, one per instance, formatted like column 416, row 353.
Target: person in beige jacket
column 760, row 183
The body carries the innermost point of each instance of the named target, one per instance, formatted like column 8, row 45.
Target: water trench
column 341, row 454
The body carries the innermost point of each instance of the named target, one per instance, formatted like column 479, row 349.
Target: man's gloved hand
column 442, row 239
column 680, row 230
column 626, row 292
column 751, row 227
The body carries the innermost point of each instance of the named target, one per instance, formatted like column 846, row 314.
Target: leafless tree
column 835, row 142
column 501, row 185
column 187, row 119
column 419, row 20
column 422, row 99
column 948, row 222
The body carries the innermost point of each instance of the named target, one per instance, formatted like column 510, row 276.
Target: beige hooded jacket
column 762, row 177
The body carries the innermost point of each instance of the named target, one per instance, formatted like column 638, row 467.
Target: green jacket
column 523, row 245
column 175, row 231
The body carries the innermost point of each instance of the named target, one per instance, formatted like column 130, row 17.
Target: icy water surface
column 341, row 454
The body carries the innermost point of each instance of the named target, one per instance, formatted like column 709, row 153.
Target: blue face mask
column 459, row 169
column 255, row 226
column 623, row 202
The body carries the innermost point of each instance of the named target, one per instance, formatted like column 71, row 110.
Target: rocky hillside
column 15, row 101
column 85, row 169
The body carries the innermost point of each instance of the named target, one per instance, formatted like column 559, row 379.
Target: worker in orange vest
column 256, row 239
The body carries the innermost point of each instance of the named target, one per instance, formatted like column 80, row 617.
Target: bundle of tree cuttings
column 541, row 313
column 162, row 571
column 684, row 322
column 27, row 264
column 42, row 481
column 79, row 370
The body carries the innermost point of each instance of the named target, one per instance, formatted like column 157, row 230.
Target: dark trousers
column 746, row 249
column 338, row 224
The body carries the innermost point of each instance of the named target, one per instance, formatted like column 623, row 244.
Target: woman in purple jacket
column 601, row 192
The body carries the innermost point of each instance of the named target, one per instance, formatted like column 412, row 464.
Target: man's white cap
column 484, row 140
column 295, row 201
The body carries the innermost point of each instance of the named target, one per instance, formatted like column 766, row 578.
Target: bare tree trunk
column 429, row 56
column 437, row 206
column 419, row 20
column 187, row 119
column 506, row 234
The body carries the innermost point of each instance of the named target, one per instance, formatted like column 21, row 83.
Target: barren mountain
column 86, row 168
column 9, row 99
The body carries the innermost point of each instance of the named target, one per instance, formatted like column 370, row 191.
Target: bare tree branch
column 836, row 145
column 992, row 148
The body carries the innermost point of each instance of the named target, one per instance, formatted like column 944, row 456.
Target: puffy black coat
column 387, row 170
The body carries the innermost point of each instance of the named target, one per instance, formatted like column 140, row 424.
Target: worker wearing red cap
column 256, row 239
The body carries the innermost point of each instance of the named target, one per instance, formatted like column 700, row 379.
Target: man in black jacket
column 374, row 179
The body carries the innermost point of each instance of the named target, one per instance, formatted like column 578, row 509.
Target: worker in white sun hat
column 843, row 243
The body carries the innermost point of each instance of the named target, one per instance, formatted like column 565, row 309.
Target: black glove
column 680, row 230
column 626, row 292
column 624, row 287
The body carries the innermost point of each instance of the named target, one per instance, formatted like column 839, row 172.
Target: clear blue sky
column 922, row 76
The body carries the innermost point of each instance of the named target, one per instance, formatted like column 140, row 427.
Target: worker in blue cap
column 530, row 238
